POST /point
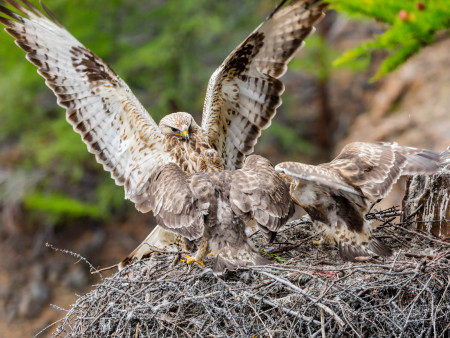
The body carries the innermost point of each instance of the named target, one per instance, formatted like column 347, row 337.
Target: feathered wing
column 176, row 207
column 376, row 167
column 258, row 192
column 418, row 161
column 334, row 206
column 317, row 174
column 99, row 105
column 361, row 171
column 244, row 92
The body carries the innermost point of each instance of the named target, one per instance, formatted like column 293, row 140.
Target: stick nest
column 308, row 291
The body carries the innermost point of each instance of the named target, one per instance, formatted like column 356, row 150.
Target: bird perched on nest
column 336, row 195
column 241, row 100
column 211, row 208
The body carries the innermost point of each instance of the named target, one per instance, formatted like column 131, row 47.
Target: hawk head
column 210, row 161
column 180, row 125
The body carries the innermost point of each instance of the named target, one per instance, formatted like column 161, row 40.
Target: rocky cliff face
column 412, row 107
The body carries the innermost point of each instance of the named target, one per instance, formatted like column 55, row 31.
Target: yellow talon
column 317, row 242
column 191, row 260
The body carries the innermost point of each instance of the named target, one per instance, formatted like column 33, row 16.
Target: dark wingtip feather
column 5, row 21
column 22, row 9
column 10, row 13
column 276, row 9
column 376, row 246
column 379, row 248
column 32, row 8
column 51, row 15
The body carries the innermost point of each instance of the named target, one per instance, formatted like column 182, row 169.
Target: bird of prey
column 241, row 100
column 336, row 195
column 211, row 208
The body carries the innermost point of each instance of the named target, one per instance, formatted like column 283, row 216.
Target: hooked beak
column 185, row 135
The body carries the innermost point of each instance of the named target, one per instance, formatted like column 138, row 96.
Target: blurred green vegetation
column 411, row 25
column 319, row 57
column 165, row 50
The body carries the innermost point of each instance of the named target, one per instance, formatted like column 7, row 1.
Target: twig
column 284, row 309
column 293, row 246
column 423, row 236
column 47, row 327
column 74, row 254
column 297, row 289
column 407, row 293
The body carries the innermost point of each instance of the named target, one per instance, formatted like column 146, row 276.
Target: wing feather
column 244, row 92
column 376, row 167
column 175, row 205
column 258, row 192
column 319, row 175
column 100, row 106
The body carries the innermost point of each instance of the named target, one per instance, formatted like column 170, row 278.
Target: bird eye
column 174, row 130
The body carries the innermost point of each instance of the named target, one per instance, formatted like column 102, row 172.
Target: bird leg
column 325, row 237
column 202, row 250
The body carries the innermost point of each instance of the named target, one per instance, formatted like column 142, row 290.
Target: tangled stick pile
column 309, row 292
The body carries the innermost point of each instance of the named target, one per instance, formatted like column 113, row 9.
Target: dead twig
column 407, row 294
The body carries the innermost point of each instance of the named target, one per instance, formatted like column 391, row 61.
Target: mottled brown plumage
column 245, row 91
column 242, row 97
column 211, row 208
column 336, row 195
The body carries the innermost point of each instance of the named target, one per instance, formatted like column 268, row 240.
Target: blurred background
column 53, row 191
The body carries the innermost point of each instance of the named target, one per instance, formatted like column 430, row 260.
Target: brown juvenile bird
column 337, row 195
column 211, row 208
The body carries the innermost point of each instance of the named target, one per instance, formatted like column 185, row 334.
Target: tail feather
column 352, row 243
column 158, row 238
column 230, row 258
column 379, row 248
column 349, row 252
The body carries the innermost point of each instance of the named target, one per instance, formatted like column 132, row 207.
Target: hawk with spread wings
column 211, row 208
column 336, row 195
column 241, row 100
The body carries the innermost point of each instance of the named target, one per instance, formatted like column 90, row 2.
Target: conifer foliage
column 411, row 25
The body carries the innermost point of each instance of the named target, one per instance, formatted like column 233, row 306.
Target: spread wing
column 319, row 175
column 99, row 105
column 258, row 192
column 376, row 167
column 175, row 205
column 244, row 92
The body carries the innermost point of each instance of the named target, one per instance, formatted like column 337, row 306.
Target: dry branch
column 405, row 295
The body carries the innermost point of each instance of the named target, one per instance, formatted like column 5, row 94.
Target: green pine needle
column 411, row 25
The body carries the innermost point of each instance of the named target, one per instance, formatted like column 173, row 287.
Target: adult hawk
column 241, row 100
column 336, row 195
column 211, row 208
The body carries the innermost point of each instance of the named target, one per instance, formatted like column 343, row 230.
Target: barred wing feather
column 244, row 92
column 99, row 105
